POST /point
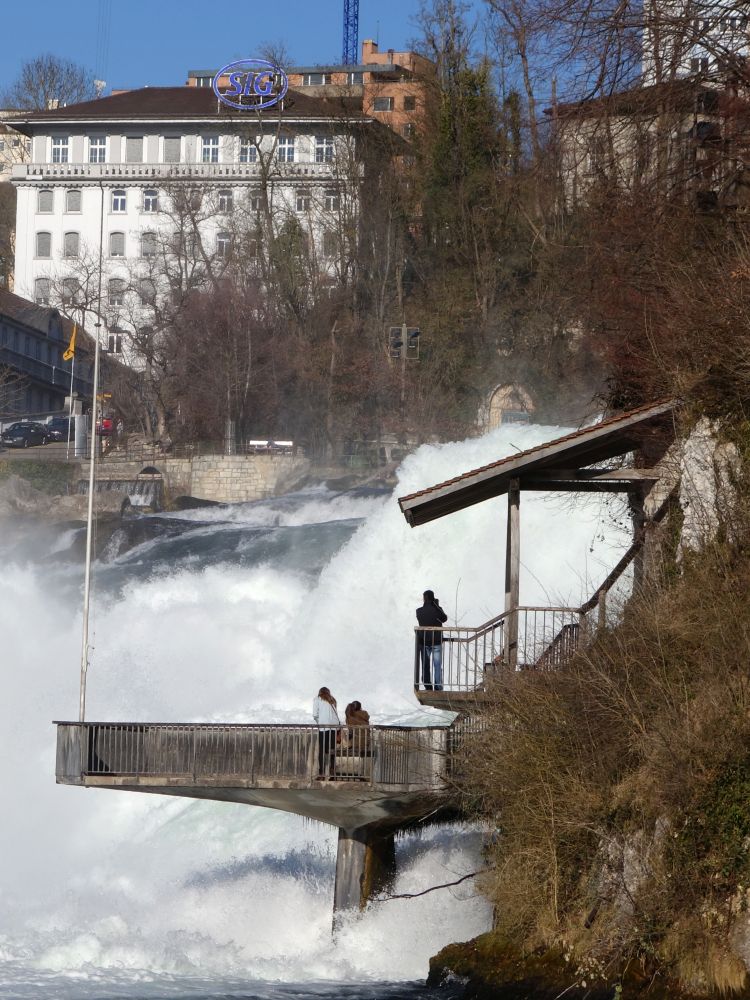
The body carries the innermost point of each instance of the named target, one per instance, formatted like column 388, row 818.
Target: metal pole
column 92, row 480
column 70, row 408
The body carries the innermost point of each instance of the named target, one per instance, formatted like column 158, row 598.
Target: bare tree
column 47, row 81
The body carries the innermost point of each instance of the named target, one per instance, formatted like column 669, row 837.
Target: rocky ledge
column 490, row 969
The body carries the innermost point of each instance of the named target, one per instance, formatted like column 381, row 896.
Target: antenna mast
column 350, row 54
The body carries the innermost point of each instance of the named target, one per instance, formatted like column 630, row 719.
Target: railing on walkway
column 252, row 755
column 547, row 637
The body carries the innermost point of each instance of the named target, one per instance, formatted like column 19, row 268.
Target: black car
column 57, row 428
column 23, row 435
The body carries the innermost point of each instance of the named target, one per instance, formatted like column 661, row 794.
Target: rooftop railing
column 251, row 755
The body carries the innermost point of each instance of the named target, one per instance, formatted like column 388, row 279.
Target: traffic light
column 412, row 343
column 395, row 342
column 403, row 341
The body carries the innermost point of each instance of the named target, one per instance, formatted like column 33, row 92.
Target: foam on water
column 105, row 887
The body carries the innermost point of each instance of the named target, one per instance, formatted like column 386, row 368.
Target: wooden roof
column 586, row 447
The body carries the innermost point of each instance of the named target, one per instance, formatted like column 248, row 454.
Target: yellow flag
column 72, row 345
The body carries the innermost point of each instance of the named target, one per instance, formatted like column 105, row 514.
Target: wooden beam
column 512, row 571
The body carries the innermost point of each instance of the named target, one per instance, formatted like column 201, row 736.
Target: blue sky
column 155, row 42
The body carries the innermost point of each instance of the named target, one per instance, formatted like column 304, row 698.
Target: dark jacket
column 430, row 614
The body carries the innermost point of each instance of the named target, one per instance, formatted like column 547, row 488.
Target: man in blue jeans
column 430, row 644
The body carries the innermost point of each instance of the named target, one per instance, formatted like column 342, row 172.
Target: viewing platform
column 386, row 779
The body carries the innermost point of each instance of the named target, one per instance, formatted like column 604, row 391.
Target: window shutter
column 71, row 245
column 117, row 244
column 171, row 149
column 41, row 291
column 73, row 201
column 148, row 244
column 44, row 244
column 134, row 149
column 45, row 201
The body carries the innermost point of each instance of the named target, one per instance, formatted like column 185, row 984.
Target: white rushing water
column 241, row 614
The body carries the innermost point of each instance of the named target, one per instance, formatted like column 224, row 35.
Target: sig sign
column 254, row 84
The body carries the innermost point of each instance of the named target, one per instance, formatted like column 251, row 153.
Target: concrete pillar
column 365, row 864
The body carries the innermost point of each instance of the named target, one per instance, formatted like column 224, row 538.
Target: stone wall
column 228, row 478
column 234, row 478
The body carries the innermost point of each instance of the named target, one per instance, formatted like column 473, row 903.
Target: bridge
column 385, row 778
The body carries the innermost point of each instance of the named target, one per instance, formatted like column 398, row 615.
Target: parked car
column 57, row 428
column 22, row 435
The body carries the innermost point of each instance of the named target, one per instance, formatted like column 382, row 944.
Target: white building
column 686, row 37
column 160, row 175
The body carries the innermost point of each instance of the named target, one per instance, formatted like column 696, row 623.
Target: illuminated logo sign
column 254, row 84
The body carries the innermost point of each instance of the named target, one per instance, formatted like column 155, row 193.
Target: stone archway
column 509, row 404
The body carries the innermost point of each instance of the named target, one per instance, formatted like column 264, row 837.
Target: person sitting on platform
column 429, row 644
column 358, row 738
column 325, row 714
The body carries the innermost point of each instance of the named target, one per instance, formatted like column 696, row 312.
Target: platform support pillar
column 365, row 864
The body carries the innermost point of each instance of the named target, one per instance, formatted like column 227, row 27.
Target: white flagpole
column 70, row 407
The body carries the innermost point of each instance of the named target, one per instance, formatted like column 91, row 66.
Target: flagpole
column 92, row 481
column 70, row 405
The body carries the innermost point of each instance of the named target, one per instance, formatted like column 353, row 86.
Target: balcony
column 165, row 172
column 524, row 638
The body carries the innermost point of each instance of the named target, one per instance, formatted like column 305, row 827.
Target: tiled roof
column 549, row 454
column 28, row 313
column 169, row 103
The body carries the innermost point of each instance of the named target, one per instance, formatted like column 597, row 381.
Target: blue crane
column 350, row 56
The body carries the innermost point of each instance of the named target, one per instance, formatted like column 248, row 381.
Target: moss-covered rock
column 492, row 969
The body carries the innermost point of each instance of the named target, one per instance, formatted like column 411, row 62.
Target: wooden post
column 639, row 529
column 512, row 571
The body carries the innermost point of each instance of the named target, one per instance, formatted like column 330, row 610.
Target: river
column 239, row 614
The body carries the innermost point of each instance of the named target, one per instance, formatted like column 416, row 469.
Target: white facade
column 137, row 184
column 686, row 37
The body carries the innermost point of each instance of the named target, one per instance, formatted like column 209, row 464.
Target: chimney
column 369, row 48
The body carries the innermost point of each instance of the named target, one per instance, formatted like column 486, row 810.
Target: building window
column 329, row 244
column 71, row 245
column 148, row 245
column 117, row 244
column 147, row 291
column 116, row 291
column 285, row 151
column 382, row 104
column 323, row 149
column 60, row 150
column 72, row 201
column 303, row 202
column 332, row 200
column 134, row 149
column 119, row 200
column 45, row 200
column 223, row 243
column 210, row 149
column 150, row 200
column 410, row 103
column 408, row 130
column 114, row 342
column 41, row 291
column 315, row 79
column 71, row 288
column 204, row 81
column 44, row 244
column 225, row 200
column 255, row 202
column 172, row 148
column 248, row 151
column 97, row 149
column 356, row 79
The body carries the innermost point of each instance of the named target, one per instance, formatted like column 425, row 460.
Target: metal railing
column 252, row 755
column 546, row 638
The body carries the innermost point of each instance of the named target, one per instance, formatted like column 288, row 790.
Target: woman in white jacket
column 325, row 714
